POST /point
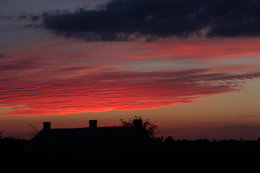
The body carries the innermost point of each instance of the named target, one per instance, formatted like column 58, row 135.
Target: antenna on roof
column 35, row 129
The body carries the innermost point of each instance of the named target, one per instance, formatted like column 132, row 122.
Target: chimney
column 92, row 123
column 46, row 125
column 138, row 123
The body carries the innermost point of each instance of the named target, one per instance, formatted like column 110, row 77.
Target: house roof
column 97, row 134
column 53, row 139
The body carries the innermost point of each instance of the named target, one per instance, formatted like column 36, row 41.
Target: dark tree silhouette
column 169, row 140
column 151, row 129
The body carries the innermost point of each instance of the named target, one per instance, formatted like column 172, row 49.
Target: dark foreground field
column 136, row 161
column 176, row 154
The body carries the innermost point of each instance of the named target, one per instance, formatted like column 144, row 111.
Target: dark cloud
column 6, row 67
column 19, row 66
column 152, row 19
column 3, row 55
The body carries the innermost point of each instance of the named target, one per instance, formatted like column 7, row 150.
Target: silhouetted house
column 88, row 139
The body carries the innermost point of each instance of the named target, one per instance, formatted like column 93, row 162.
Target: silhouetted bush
column 150, row 128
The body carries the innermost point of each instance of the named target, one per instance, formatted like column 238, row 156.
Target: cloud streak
column 153, row 19
column 114, row 90
column 3, row 56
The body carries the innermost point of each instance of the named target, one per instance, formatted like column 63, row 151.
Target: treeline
column 209, row 145
column 15, row 145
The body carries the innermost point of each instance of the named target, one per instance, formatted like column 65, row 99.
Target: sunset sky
column 190, row 66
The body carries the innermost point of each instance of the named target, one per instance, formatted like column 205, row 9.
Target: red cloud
column 112, row 90
column 69, row 77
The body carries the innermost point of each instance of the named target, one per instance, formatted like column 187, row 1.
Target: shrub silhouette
column 151, row 129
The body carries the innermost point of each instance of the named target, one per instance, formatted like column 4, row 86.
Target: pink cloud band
column 114, row 90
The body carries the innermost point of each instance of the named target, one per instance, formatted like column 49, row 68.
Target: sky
column 190, row 66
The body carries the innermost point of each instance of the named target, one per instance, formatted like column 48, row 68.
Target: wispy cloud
column 114, row 90
column 3, row 55
column 113, row 52
column 63, row 76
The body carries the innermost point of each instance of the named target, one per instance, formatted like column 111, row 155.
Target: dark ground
column 173, row 156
